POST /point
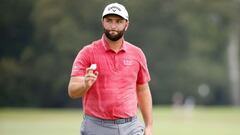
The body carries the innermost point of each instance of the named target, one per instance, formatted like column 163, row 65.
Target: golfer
column 111, row 75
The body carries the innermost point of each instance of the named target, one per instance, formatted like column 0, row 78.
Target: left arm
column 145, row 103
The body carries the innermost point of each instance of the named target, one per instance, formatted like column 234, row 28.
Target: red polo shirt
column 113, row 95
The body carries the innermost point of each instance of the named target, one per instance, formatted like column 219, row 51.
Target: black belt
column 115, row 121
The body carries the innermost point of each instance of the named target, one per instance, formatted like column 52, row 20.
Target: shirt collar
column 107, row 48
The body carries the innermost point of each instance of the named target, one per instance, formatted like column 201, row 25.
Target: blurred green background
column 192, row 48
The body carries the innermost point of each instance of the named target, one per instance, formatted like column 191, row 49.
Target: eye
column 107, row 20
column 120, row 21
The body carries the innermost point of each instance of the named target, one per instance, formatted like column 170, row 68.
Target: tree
column 224, row 15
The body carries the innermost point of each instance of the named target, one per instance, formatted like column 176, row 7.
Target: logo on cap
column 114, row 8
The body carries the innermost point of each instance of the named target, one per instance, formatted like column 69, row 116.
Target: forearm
column 145, row 103
column 77, row 88
column 79, row 85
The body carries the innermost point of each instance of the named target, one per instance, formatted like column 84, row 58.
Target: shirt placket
column 115, row 61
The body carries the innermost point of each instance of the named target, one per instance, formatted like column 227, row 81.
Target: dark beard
column 114, row 37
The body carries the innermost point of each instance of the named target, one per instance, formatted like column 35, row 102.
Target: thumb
column 89, row 70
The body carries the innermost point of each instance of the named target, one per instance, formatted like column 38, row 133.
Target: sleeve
column 143, row 74
column 81, row 62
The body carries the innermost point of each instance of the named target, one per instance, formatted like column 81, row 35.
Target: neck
column 114, row 45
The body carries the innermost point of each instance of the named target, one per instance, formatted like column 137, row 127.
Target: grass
column 167, row 121
column 201, row 121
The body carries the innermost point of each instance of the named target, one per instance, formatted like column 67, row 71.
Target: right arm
column 76, row 87
column 79, row 85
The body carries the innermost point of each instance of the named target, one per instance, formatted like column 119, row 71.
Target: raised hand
column 90, row 76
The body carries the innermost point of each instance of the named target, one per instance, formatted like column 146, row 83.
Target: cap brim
column 116, row 15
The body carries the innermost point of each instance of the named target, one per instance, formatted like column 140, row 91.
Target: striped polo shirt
column 113, row 95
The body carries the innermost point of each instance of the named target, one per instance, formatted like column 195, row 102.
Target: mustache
column 111, row 31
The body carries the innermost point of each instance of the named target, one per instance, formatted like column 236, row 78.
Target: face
column 114, row 27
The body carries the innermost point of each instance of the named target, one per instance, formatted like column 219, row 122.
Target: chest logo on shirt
column 127, row 62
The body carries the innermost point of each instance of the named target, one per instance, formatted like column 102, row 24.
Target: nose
column 113, row 25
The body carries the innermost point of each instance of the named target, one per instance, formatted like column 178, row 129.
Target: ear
column 102, row 22
column 126, row 27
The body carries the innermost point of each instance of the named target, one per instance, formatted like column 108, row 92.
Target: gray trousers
column 95, row 126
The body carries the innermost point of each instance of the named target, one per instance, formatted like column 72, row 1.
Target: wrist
column 148, row 125
column 85, row 87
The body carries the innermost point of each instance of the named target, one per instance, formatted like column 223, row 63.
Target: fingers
column 91, row 75
column 89, row 71
column 90, row 79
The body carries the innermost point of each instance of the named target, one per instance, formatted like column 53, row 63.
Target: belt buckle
column 119, row 121
column 129, row 119
column 122, row 121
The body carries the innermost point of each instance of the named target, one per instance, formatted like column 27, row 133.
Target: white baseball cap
column 117, row 9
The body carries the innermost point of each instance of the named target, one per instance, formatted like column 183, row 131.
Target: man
column 112, row 77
